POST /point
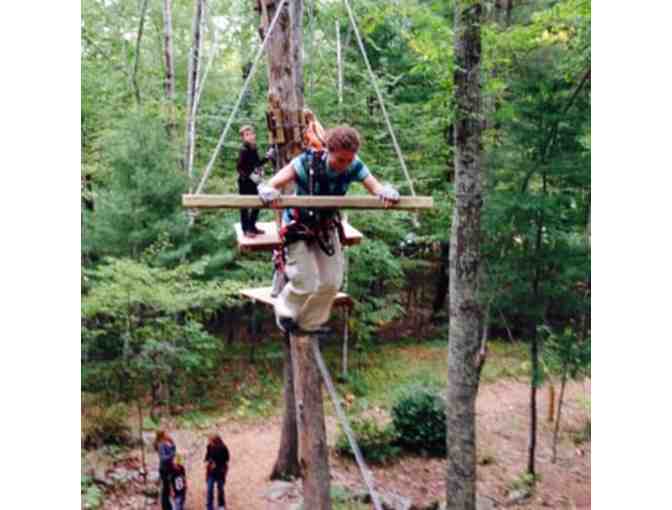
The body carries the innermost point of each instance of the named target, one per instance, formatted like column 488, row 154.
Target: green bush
column 104, row 425
column 419, row 419
column 377, row 444
column 92, row 496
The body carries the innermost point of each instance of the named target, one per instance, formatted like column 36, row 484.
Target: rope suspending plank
column 199, row 201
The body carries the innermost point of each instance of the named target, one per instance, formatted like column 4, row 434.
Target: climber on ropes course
column 312, row 255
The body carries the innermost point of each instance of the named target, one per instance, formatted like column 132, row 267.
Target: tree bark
column 534, row 337
column 138, row 41
column 287, row 464
column 313, row 454
column 169, row 68
column 465, row 309
column 556, row 429
column 285, row 64
column 192, row 87
column 284, row 61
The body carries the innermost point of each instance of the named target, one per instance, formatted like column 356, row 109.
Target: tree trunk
column 287, row 464
column 551, row 402
column 465, row 309
column 557, row 421
column 138, row 41
column 313, row 453
column 534, row 337
column 142, row 442
column 284, row 62
column 192, row 87
column 169, row 68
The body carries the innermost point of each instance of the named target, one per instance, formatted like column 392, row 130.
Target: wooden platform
column 271, row 240
column 263, row 295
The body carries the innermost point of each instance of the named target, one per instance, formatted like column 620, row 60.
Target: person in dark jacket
column 217, row 466
column 249, row 176
column 165, row 447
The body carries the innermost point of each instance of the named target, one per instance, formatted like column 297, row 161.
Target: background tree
column 465, row 259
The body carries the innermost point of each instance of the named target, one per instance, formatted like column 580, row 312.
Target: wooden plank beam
column 317, row 202
column 270, row 239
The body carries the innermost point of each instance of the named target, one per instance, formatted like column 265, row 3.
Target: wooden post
column 284, row 61
column 313, row 453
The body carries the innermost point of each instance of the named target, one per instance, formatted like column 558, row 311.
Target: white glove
column 388, row 193
column 267, row 194
column 256, row 176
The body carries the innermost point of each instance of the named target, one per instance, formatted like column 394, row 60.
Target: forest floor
column 502, row 425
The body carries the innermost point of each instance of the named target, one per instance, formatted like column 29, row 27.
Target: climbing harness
column 314, row 225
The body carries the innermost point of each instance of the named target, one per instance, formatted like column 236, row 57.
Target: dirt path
column 253, row 451
column 502, row 435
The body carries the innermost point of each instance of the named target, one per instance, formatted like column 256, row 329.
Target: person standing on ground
column 165, row 447
column 179, row 484
column 217, row 467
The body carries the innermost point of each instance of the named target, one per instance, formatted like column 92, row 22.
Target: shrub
column 92, row 496
column 377, row 444
column 419, row 419
column 104, row 425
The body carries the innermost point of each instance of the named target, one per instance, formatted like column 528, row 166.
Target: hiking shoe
column 249, row 233
column 258, row 231
column 287, row 324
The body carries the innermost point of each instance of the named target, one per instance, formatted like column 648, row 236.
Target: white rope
column 246, row 85
column 380, row 96
column 363, row 468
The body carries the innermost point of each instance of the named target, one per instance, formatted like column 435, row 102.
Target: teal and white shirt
column 337, row 183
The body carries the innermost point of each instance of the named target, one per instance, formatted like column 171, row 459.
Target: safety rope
column 380, row 96
column 363, row 468
column 246, row 85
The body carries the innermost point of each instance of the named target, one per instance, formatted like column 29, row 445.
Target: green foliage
column 151, row 286
column 526, row 481
column 144, row 325
column 565, row 353
column 376, row 443
column 419, row 418
column 92, row 496
column 103, row 425
column 141, row 201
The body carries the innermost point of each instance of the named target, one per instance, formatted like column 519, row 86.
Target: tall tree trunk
column 534, row 337
column 287, row 464
column 192, row 87
column 138, row 41
column 556, row 429
column 465, row 309
column 313, row 453
column 284, row 62
column 142, row 441
column 169, row 64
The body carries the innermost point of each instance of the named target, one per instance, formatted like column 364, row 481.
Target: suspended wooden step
column 270, row 239
column 263, row 295
column 315, row 202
